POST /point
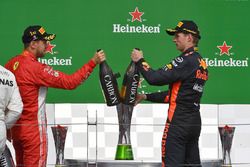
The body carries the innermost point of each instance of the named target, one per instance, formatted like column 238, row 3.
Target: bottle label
column 110, row 89
column 134, row 87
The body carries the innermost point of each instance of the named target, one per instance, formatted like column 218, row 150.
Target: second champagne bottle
column 130, row 84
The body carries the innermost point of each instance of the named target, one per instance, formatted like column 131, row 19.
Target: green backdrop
column 82, row 26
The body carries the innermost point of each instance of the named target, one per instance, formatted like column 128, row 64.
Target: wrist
column 92, row 63
column 94, row 60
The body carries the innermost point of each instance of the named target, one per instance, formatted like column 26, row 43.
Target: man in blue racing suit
column 186, row 76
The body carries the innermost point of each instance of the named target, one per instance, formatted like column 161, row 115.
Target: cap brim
column 171, row 31
column 49, row 37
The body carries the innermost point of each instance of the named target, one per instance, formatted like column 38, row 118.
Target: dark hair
column 195, row 39
column 26, row 45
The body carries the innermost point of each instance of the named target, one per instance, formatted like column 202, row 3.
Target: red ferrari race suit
column 186, row 76
column 30, row 134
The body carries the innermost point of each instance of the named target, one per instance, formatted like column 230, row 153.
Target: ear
column 190, row 38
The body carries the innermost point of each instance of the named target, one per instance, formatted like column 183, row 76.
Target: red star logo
column 224, row 49
column 49, row 48
column 136, row 15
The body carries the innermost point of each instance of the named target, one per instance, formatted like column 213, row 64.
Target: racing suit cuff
column 154, row 98
column 150, row 97
column 91, row 63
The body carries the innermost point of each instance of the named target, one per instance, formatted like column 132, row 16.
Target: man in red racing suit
column 186, row 76
column 29, row 134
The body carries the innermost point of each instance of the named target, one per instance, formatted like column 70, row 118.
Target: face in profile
column 40, row 48
column 182, row 41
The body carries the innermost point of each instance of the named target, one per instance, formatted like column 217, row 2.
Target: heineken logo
column 54, row 61
column 136, row 15
column 225, row 57
column 224, row 49
column 118, row 28
column 49, row 48
column 136, row 18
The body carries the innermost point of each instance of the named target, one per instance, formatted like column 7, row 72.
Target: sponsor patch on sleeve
column 179, row 59
column 50, row 71
column 202, row 64
column 168, row 67
column 15, row 66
